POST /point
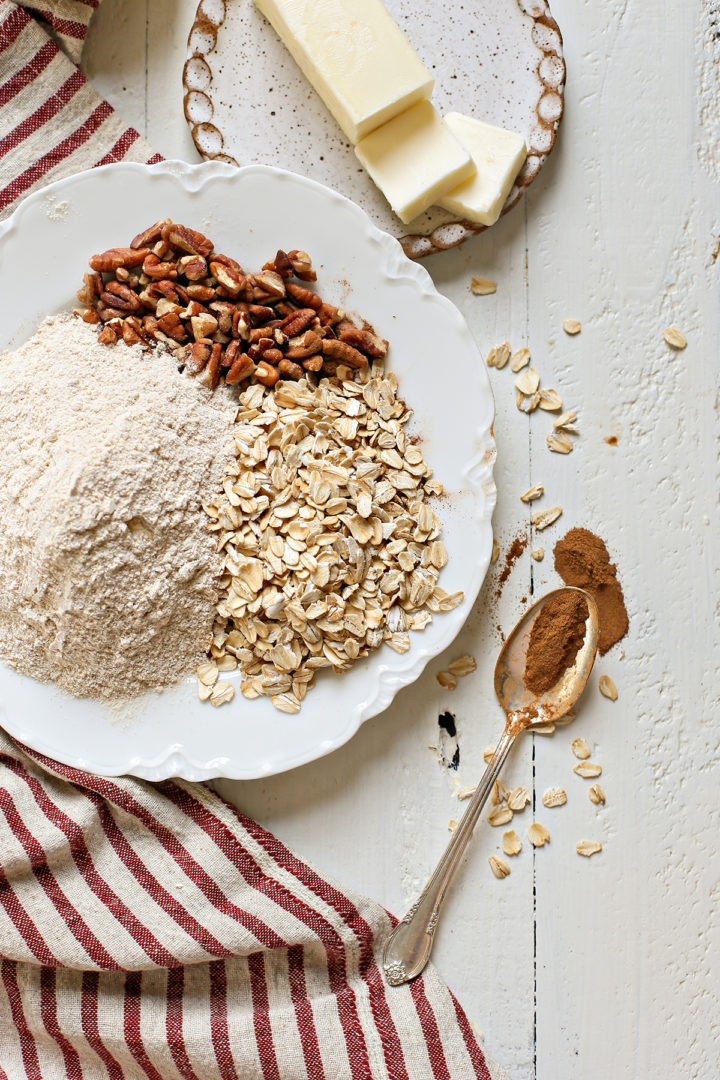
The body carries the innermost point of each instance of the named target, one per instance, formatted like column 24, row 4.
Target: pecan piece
column 260, row 313
column 196, row 357
column 107, row 336
column 272, row 356
column 329, row 314
column 194, row 267
column 343, row 353
column 170, row 324
column 243, row 368
column 194, row 243
column 240, row 323
column 157, row 270
column 150, row 235
column 266, row 374
column 292, row 371
column 211, row 375
column 313, row 363
column 308, row 344
column 298, row 321
column 164, row 306
column 228, row 278
column 90, row 316
column 130, row 332
column 119, row 295
column 365, row 341
column 281, row 264
column 268, row 282
column 92, row 287
column 304, row 297
column 110, row 260
column 200, row 292
column 302, row 265
column 203, row 326
column 223, row 311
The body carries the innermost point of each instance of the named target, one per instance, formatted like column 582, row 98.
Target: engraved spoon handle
column 408, row 948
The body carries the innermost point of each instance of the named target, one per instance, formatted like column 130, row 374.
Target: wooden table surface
column 571, row 968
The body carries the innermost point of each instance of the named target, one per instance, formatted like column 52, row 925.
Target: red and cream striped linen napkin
column 153, row 931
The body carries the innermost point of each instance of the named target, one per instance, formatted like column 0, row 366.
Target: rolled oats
column 580, row 748
column 464, row 665
column 499, row 355
column 560, row 442
column 542, row 518
column 499, row 867
column 511, row 842
column 519, row 360
column 674, row 338
column 596, row 794
column 538, row 835
column 588, row 848
column 532, row 493
column 608, row 688
column 538, row 554
column 446, row 679
column 528, row 381
column 500, row 815
column 554, row 796
column 482, row 286
column 588, row 769
column 571, row 326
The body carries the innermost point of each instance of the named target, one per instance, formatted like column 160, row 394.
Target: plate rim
column 175, row 760
column 209, row 18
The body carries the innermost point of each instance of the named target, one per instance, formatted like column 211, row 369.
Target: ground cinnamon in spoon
column 581, row 559
column 555, row 638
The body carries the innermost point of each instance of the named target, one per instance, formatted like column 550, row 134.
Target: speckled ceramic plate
column 250, row 213
column 246, row 100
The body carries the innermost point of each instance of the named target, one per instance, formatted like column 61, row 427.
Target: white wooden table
column 572, row 968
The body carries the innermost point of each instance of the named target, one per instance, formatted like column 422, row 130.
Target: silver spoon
column 408, row 948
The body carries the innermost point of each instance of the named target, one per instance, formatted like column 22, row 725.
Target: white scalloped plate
column 249, row 213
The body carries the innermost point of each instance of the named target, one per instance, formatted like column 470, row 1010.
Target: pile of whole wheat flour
column 108, row 575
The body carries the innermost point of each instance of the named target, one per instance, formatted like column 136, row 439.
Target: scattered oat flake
column 532, row 493
column 550, row 400
column 222, row 693
column 482, row 286
column 518, row 798
column 499, row 867
column 511, row 842
column 528, row 381
column 674, row 338
column 543, row 729
column 526, row 403
column 596, row 794
column 567, row 718
column 498, row 793
column 538, row 835
column 571, row 326
column 466, row 793
column 464, row 665
column 204, row 691
column 538, row 554
column 588, row 769
column 207, row 673
column 495, row 552
column 580, row 748
column 608, row 688
column 500, row 815
column 542, row 518
column 554, row 796
column 566, row 421
column 519, row 360
column 488, row 753
column 588, row 848
column 452, row 825
column 446, row 679
column 499, row 355
column 559, row 442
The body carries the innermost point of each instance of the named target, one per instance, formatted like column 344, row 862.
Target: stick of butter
column 355, row 55
column 498, row 156
column 414, row 159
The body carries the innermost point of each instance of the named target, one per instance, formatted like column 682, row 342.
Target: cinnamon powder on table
column 582, row 559
column 555, row 638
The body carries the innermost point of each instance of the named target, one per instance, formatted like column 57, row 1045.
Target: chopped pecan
column 298, row 321
column 304, row 297
column 223, row 311
column 90, row 316
column 240, row 324
column 119, row 295
column 170, row 324
column 164, row 306
column 368, row 343
column 194, row 243
column 266, row 374
column 130, row 334
column 200, row 292
column 92, row 287
column 308, row 344
column 196, row 356
column 211, row 375
column 157, row 270
column 272, row 356
column 329, row 314
column 111, row 259
column 243, row 368
column 302, row 265
column 107, row 313
column 292, row 371
column 107, row 336
column 203, row 326
column 313, row 363
column 228, row 277
column 268, row 282
column 343, row 353
column 150, row 235
column 260, row 313
column 194, row 267
column 281, row 264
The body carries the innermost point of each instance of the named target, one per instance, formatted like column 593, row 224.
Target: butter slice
column 355, row 55
column 498, row 156
column 414, row 159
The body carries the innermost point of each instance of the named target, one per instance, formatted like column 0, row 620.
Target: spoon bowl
column 522, row 706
